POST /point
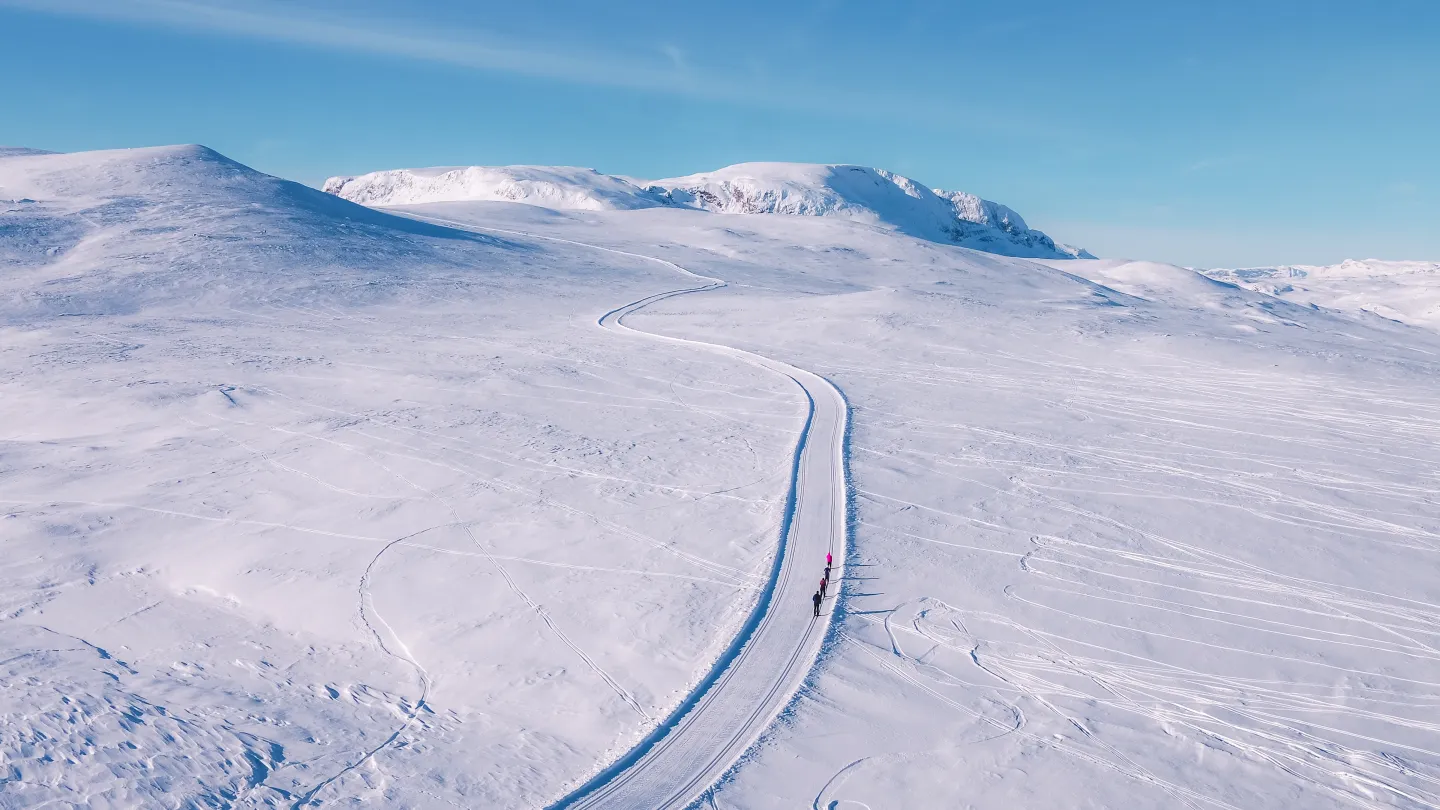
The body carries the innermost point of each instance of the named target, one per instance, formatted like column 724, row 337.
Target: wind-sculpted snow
column 870, row 196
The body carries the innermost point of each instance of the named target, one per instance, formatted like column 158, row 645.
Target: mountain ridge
column 867, row 195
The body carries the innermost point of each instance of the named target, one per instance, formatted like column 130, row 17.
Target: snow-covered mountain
column 871, row 196
column 1406, row 291
column 564, row 187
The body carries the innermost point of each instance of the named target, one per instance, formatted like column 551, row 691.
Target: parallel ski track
column 768, row 660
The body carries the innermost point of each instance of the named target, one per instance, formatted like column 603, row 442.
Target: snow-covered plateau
column 486, row 504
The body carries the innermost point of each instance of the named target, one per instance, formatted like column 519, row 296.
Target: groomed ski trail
column 768, row 660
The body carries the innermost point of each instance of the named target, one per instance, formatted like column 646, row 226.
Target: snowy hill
column 1406, row 291
column 183, row 177
column 17, row 151
column 563, row 187
column 1158, row 281
column 871, row 196
column 112, row 230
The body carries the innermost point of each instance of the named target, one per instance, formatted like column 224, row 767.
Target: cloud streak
column 666, row 70
column 300, row 24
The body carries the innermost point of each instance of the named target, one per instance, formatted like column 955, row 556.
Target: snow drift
column 870, row 196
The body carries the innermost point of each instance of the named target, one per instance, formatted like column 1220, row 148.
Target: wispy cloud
column 305, row 24
column 664, row 69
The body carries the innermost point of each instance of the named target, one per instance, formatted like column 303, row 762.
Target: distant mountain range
column 871, row 196
column 1405, row 291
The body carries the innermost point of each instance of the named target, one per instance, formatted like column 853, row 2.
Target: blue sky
column 1210, row 134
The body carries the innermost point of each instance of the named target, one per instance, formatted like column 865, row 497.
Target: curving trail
column 764, row 666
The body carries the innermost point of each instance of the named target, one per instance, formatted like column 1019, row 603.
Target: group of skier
column 824, row 583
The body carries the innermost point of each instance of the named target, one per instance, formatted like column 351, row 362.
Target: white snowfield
column 1408, row 292
column 306, row 505
column 858, row 193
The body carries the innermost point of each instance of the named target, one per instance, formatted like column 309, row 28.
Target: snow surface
column 871, row 196
column 302, row 502
column 1403, row 291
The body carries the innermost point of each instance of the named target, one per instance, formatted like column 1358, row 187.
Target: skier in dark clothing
column 816, row 599
column 824, row 581
column 827, row 570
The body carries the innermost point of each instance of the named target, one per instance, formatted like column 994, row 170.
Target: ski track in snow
column 769, row 659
